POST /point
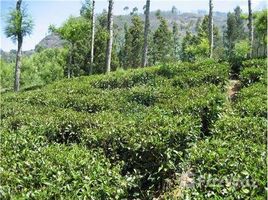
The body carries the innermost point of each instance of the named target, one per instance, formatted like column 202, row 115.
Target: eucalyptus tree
column 162, row 41
column 211, row 38
column 88, row 12
column 110, row 38
column 19, row 24
column 250, row 28
column 146, row 31
column 92, row 37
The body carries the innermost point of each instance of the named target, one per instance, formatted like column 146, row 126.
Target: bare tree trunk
column 146, row 31
column 18, row 65
column 18, row 54
column 70, row 61
column 211, row 28
column 92, row 38
column 250, row 27
column 110, row 39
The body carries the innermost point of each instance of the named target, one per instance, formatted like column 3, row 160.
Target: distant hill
column 185, row 21
column 50, row 41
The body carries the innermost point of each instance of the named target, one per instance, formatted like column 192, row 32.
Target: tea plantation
column 131, row 134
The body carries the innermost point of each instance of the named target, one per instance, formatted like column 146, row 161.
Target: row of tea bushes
column 231, row 163
column 32, row 169
column 140, row 121
column 252, row 101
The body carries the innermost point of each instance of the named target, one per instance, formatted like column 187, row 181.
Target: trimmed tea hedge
column 124, row 135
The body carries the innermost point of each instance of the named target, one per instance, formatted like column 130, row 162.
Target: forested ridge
column 138, row 113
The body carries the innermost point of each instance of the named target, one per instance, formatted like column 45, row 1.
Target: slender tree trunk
column 146, row 31
column 211, row 28
column 110, row 39
column 18, row 54
column 92, row 38
column 250, row 27
column 18, row 65
column 70, row 62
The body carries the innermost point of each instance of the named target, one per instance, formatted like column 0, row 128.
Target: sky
column 56, row 12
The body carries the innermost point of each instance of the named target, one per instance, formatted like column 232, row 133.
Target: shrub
column 55, row 171
column 252, row 75
column 257, row 63
column 231, row 169
column 234, row 158
column 252, row 100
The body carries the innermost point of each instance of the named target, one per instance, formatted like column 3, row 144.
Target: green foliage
column 73, row 29
column 252, row 75
column 135, row 117
column 259, row 63
column 132, row 49
column 238, row 54
column 256, row 93
column 254, row 70
column 100, row 45
column 231, row 163
column 241, row 50
column 188, row 41
column 18, row 23
column 132, row 131
column 55, row 171
column 6, row 74
column 235, row 28
column 162, row 43
column 260, row 23
column 228, row 169
column 86, row 9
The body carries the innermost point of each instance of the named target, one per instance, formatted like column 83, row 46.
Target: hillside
column 133, row 134
column 186, row 22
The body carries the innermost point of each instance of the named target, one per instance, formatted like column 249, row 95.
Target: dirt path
column 186, row 179
column 233, row 88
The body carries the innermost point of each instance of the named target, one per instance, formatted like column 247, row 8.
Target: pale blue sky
column 56, row 12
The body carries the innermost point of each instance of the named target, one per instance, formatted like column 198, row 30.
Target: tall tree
column 235, row 29
column 162, row 41
column 260, row 24
column 146, row 31
column 92, row 37
column 250, row 28
column 76, row 32
column 110, row 38
column 175, row 31
column 19, row 24
column 211, row 28
column 136, row 41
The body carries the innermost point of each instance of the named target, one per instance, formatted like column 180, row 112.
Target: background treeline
column 169, row 41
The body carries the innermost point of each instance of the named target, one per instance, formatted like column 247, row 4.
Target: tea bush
column 252, row 101
column 254, row 71
column 231, row 163
column 31, row 169
column 126, row 134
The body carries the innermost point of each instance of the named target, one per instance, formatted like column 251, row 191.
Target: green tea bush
column 257, row 63
column 133, row 130
column 232, row 163
column 253, row 75
column 150, row 143
column 30, row 170
column 126, row 80
column 233, row 169
column 254, row 71
column 237, row 128
column 252, row 101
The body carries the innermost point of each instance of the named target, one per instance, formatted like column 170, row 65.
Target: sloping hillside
column 131, row 134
